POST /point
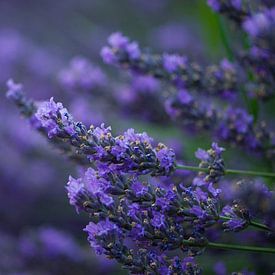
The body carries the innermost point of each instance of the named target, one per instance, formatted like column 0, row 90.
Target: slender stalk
column 261, row 226
column 250, row 173
column 242, row 247
column 224, row 38
column 252, row 223
column 227, row 171
column 231, row 247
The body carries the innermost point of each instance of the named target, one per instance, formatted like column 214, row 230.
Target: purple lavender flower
column 253, row 195
column 89, row 188
column 158, row 220
column 49, row 243
column 237, row 125
column 260, row 23
column 130, row 198
column 130, row 152
column 232, row 125
column 260, row 57
column 175, row 69
column 14, row 90
column 238, row 217
column 172, row 63
column 187, row 113
column 51, row 115
column 106, row 237
column 131, row 217
column 16, row 94
column 103, row 234
column 82, row 75
column 119, row 45
column 213, row 161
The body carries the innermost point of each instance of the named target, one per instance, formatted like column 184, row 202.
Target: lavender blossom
column 104, row 194
column 82, row 75
column 213, row 162
column 238, row 217
column 119, row 42
column 186, row 112
column 16, row 94
column 49, row 243
column 254, row 196
column 237, row 127
column 105, row 237
column 130, row 152
column 260, row 57
column 189, row 77
column 37, row 116
column 138, row 211
column 175, row 69
column 232, row 125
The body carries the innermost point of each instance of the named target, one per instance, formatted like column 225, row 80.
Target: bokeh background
column 46, row 45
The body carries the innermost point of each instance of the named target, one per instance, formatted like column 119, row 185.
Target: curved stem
column 261, row 226
column 231, row 247
column 227, row 171
column 252, row 223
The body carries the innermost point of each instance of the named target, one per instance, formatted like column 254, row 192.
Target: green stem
column 250, row 173
column 231, row 247
column 252, row 223
column 260, row 226
column 224, row 38
column 227, row 171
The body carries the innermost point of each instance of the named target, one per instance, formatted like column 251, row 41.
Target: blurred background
column 53, row 47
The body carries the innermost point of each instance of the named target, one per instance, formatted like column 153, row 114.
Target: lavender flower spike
column 16, row 94
column 131, row 152
column 218, row 80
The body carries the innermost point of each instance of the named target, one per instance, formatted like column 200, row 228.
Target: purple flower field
column 137, row 137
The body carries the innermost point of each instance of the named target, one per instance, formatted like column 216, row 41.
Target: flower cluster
column 255, row 197
column 218, row 80
column 46, row 248
column 134, row 219
column 238, row 217
column 261, row 58
column 130, row 152
column 212, row 160
column 121, row 48
column 30, row 110
column 185, row 110
column 15, row 93
column 149, row 212
column 82, row 75
column 233, row 125
column 156, row 217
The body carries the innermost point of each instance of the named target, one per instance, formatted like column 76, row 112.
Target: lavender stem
column 227, row 171
column 231, row 247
